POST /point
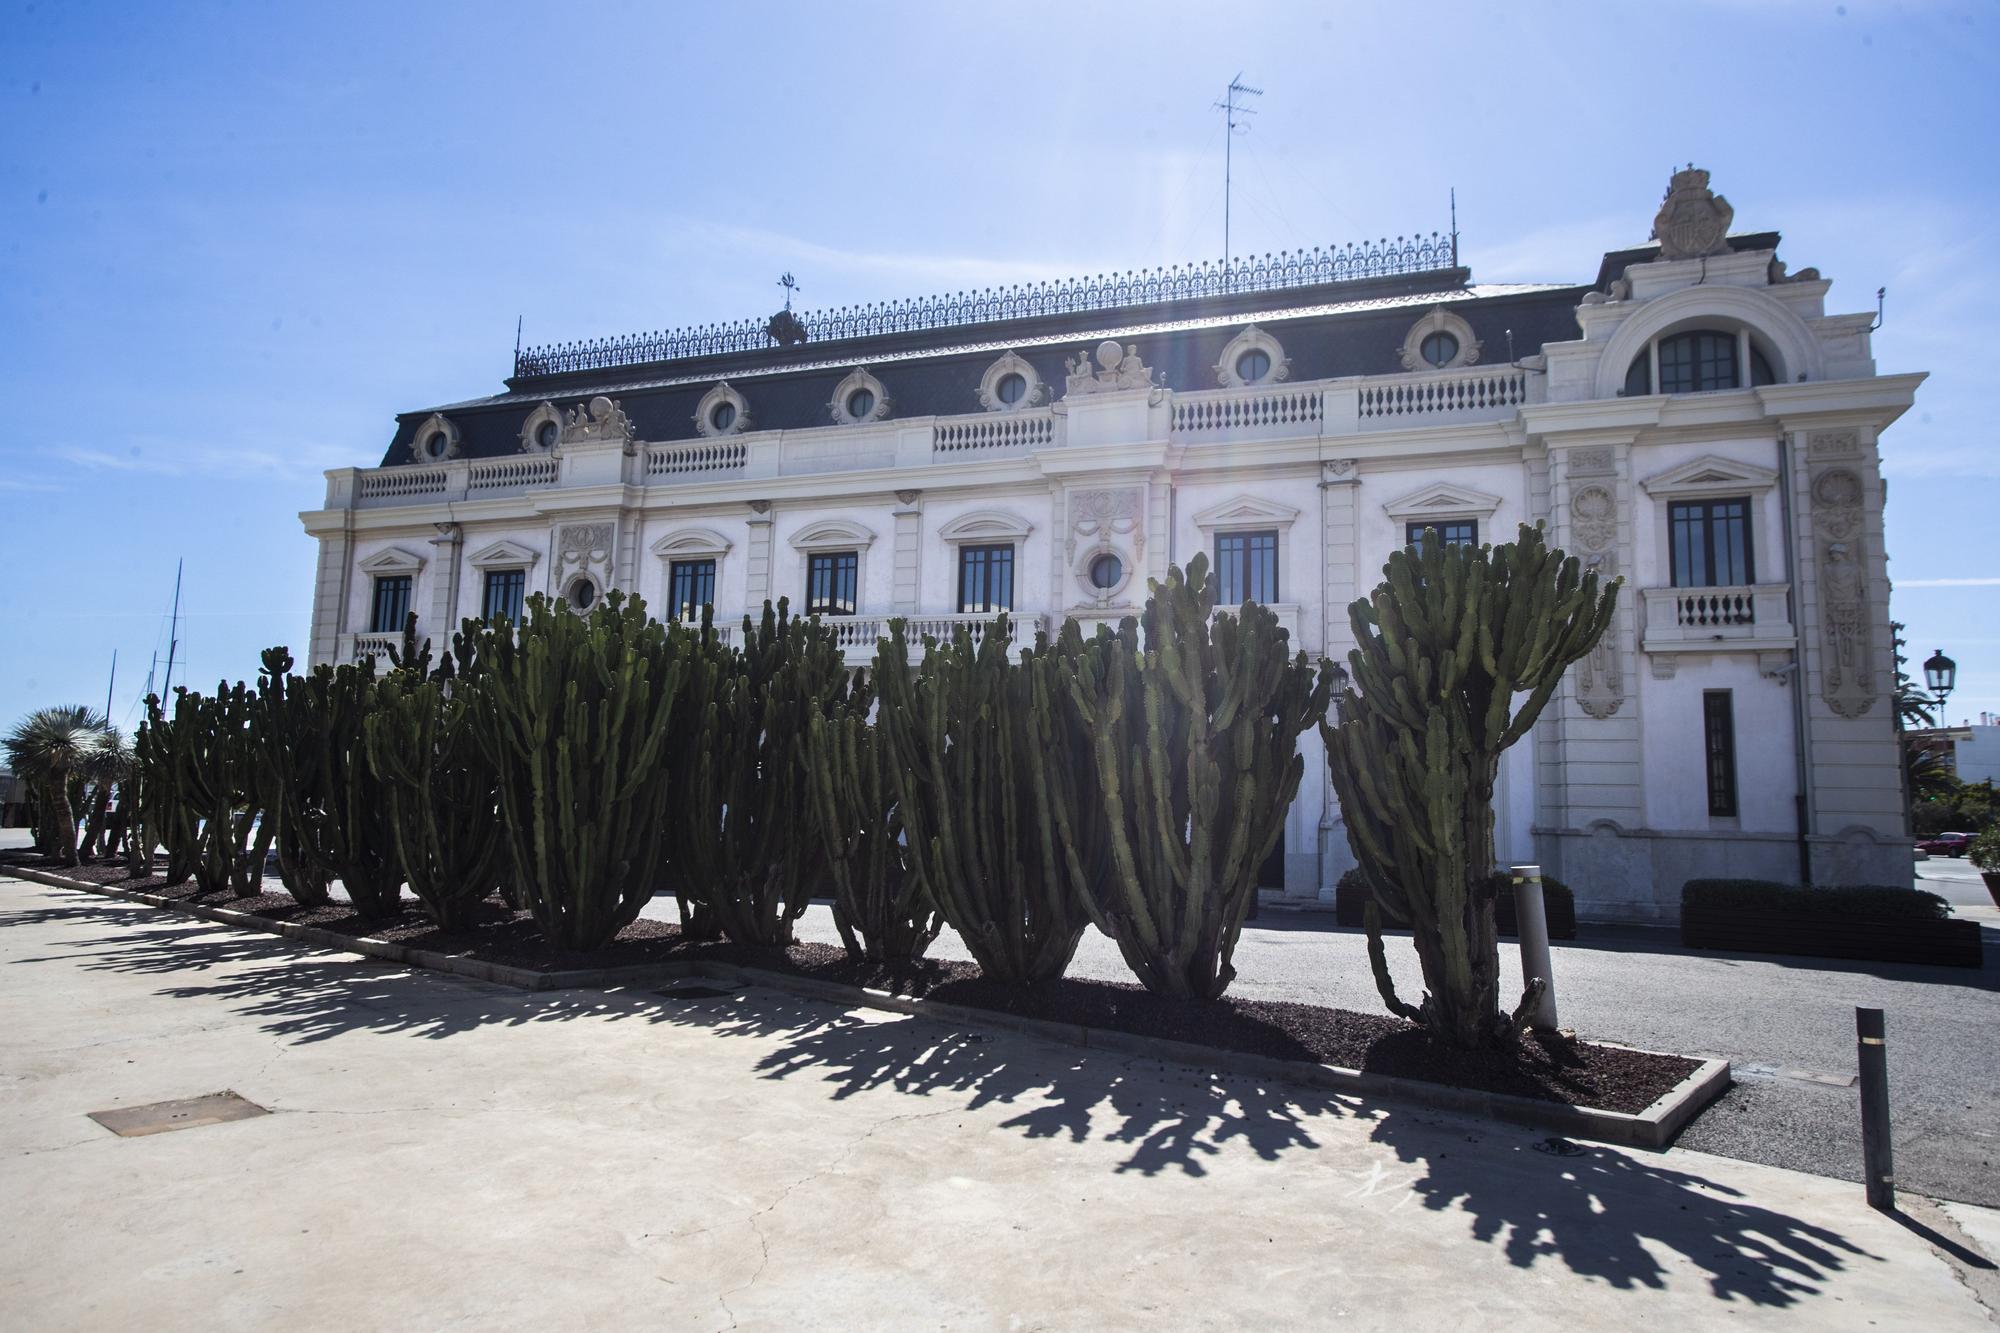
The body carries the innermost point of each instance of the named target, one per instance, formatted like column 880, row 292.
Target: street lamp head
column 1940, row 674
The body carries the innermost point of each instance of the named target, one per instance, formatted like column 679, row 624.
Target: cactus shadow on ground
column 1602, row 1214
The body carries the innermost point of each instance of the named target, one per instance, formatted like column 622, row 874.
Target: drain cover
column 696, row 993
column 187, row 1113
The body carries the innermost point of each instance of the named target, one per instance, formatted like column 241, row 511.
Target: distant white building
column 1972, row 752
column 1690, row 418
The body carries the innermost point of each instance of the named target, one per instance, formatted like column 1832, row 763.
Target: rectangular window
column 985, row 579
column 1246, row 568
column 392, row 604
column 1452, row 532
column 832, row 580
column 691, row 586
column 506, row 589
column 1718, row 727
column 1711, row 543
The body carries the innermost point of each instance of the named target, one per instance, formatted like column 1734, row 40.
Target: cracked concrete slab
column 444, row 1153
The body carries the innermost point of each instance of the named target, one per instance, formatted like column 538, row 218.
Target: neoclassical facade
column 1690, row 419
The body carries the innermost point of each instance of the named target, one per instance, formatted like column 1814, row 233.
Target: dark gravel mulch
column 1550, row 1067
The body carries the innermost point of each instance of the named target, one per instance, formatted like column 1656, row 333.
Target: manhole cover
column 187, row 1113
column 696, row 993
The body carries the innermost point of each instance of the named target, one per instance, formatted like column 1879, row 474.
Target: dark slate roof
column 1352, row 328
column 1617, row 261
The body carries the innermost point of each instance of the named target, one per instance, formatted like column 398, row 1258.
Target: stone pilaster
column 445, row 566
column 330, row 591
column 1339, row 519
column 908, row 556
column 757, row 567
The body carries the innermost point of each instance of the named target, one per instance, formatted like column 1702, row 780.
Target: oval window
column 860, row 403
column 723, row 417
column 1105, row 571
column 1439, row 349
column 1253, row 365
column 436, row 445
column 582, row 593
column 546, row 434
column 1011, row 388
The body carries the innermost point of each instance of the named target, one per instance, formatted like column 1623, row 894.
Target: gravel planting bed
column 1551, row 1068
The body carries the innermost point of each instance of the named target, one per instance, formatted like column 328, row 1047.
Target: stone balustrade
column 994, row 432
column 1707, row 619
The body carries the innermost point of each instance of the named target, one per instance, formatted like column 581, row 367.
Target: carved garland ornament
column 1848, row 684
column 583, row 555
column 1600, row 685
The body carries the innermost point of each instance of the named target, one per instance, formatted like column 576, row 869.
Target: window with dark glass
column 1105, row 571
column 860, row 403
column 1253, row 365
column 506, row 589
column 1698, row 362
column 985, row 579
column 1718, row 726
column 1011, row 388
column 1710, row 541
column 690, row 587
column 1439, row 348
column 832, row 580
column 1246, row 568
column 392, row 604
column 1452, row 532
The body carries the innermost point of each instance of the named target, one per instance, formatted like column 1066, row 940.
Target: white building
column 1689, row 418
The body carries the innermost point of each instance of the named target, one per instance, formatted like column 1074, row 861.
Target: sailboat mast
column 173, row 632
column 113, row 684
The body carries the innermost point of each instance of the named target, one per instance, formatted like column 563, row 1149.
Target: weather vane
column 790, row 284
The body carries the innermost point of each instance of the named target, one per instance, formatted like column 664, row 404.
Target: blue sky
column 236, row 239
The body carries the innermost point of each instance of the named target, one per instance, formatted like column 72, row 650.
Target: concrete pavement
column 447, row 1152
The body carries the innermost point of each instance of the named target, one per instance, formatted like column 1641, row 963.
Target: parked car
column 1946, row 844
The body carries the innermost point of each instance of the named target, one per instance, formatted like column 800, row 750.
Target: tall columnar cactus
column 440, row 790
column 881, row 910
column 574, row 713
column 1447, row 642
column 215, row 771
column 743, row 859
column 284, row 781
column 165, row 816
column 314, row 750
column 1193, row 764
column 965, row 753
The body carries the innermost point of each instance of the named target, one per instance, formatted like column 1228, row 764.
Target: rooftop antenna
column 790, row 284
column 174, row 629
column 1231, row 109
column 111, row 685
column 1454, row 226
column 517, row 339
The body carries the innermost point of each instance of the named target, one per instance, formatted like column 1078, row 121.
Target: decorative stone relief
column 1340, row 469
column 1105, row 523
column 1600, row 685
column 907, row 497
column 759, row 506
column 598, row 421
column 1832, row 444
column 1847, row 682
column 1693, row 220
column 1117, row 369
column 583, row 556
column 1595, row 462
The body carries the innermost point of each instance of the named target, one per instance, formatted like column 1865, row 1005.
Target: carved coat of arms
column 1694, row 220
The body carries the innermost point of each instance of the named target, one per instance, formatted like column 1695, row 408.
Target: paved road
column 1786, row 1024
column 443, row 1153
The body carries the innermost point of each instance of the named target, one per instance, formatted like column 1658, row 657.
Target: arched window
column 1698, row 361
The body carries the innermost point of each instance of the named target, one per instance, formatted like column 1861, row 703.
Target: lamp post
column 1941, row 675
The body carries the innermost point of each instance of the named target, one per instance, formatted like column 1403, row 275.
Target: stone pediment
column 1246, row 511
column 395, row 560
column 1711, row 475
column 505, row 555
column 1443, row 499
column 831, row 534
column 982, row 525
column 692, row 543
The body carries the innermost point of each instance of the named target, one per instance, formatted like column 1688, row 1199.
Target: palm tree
column 48, row 748
column 110, row 766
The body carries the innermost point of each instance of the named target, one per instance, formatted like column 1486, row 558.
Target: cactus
column 1446, row 642
column 574, row 713
column 440, row 792
column 743, row 856
column 214, row 762
column 881, row 910
column 1192, row 768
column 964, row 750
column 165, row 817
column 313, row 753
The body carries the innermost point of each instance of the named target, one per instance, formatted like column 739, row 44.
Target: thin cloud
column 175, row 460
column 1948, row 583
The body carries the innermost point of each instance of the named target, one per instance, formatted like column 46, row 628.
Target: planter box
column 1870, row 939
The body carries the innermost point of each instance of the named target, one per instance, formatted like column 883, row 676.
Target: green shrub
column 1868, row 901
column 1984, row 852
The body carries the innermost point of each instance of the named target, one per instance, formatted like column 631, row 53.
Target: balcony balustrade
column 1749, row 616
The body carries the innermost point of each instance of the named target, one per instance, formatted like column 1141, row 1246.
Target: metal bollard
column 1532, row 922
column 1878, row 1166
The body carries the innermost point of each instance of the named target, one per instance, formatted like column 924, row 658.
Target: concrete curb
column 1654, row 1127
